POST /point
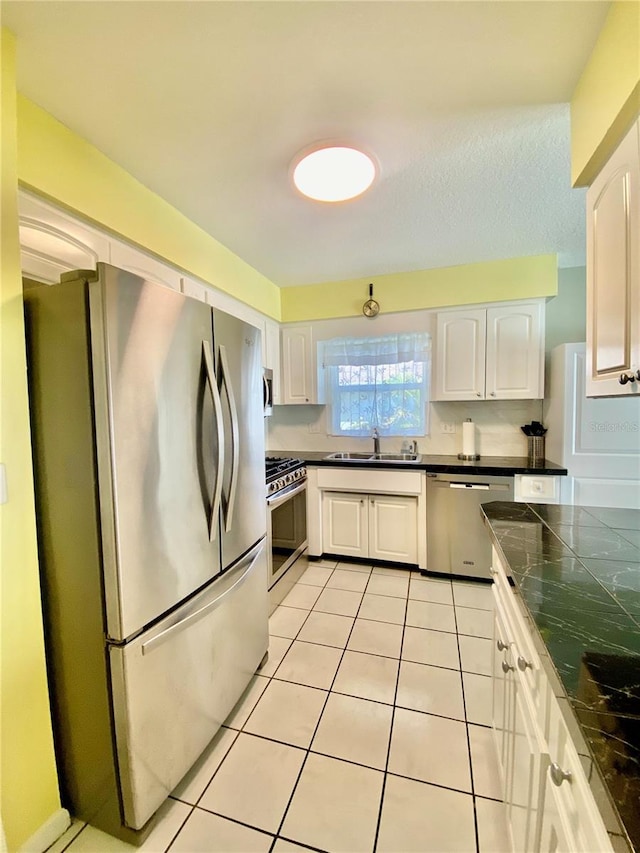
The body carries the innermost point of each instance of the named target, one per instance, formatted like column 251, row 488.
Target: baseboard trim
column 50, row 831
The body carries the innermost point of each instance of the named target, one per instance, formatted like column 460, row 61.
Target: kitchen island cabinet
column 566, row 654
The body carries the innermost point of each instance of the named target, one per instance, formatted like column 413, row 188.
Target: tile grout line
column 393, row 715
column 466, row 722
column 308, row 749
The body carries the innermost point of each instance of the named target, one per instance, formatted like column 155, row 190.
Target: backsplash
column 497, row 423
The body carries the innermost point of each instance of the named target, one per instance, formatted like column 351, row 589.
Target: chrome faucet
column 376, row 440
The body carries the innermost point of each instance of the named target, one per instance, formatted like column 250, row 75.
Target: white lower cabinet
column 369, row 514
column 380, row 527
column 550, row 805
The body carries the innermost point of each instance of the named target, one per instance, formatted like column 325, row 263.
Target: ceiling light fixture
column 333, row 173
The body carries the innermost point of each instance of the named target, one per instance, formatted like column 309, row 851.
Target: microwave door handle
column 217, row 408
column 235, row 438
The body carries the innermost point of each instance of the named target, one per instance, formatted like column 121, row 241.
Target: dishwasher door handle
column 477, row 486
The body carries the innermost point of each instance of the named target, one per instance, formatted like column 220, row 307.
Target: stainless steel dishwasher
column 457, row 541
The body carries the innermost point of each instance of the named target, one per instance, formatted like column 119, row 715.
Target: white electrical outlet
column 314, row 427
column 448, row 428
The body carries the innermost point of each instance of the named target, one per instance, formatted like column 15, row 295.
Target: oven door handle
column 277, row 500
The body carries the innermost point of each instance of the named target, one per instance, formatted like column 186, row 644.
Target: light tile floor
column 367, row 730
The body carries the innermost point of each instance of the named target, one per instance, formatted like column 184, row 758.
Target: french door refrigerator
column 148, row 445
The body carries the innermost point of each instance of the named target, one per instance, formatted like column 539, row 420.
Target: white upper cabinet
column 613, row 273
column 52, row 243
column 134, row 260
column 494, row 353
column 460, row 355
column 194, row 289
column 515, row 353
column 298, row 365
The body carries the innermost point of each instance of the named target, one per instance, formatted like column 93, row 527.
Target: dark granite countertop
column 577, row 572
column 505, row 466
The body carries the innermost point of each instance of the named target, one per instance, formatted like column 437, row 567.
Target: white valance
column 385, row 349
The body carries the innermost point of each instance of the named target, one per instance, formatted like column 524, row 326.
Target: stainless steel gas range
column 287, row 516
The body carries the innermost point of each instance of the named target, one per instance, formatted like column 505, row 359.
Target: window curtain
column 378, row 382
column 386, row 349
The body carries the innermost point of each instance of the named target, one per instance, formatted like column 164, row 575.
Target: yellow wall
column 492, row 281
column 56, row 163
column 607, row 97
column 29, row 787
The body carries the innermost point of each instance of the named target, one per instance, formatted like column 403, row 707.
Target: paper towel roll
column 468, row 438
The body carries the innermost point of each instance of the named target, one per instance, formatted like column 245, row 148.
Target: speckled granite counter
column 577, row 571
column 493, row 466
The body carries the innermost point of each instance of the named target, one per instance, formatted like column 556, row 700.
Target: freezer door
column 174, row 685
column 157, row 446
column 239, row 369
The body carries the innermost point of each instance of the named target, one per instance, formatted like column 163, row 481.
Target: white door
column 393, row 528
column 460, row 355
column 514, row 367
column 345, row 524
column 613, row 272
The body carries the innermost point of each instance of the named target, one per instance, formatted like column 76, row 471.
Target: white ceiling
column 464, row 104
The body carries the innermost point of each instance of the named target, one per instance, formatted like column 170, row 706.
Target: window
column 378, row 382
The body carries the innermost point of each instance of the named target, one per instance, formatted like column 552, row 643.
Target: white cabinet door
column 555, row 834
column 52, row 243
column 129, row 258
column 393, row 528
column 272, row 356
column 345, row 524
column 460, row 355
column 515, row 365
column 298, row 363
column 613, row 272
column 528, row 763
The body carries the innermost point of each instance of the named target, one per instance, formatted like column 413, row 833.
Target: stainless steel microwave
column 267, row 381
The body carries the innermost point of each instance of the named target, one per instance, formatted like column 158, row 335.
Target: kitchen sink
column 376, row 457
column 354, row 456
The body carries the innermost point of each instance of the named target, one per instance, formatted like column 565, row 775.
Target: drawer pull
column 558, row 775
column 502, row 647
column 507, row 667
column 523, row 664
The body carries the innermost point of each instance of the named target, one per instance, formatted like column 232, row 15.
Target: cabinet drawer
column 525, row 657
column 365, row 480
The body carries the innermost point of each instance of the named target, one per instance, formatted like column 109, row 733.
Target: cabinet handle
column 558, row 775
column 627, row 377
column 478, row 394
column 507, row 667
column 492, row 394
column 502, row 647
column 523, row 664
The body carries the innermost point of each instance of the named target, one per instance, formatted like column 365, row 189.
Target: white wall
column 292, row 428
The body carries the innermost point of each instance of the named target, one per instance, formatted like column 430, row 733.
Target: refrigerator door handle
column 217, row 407
column 247, row 565
column 235, row 436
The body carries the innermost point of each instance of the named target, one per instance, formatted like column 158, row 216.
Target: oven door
column 287, row 530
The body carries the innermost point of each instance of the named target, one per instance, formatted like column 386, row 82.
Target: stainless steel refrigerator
column 148, row 440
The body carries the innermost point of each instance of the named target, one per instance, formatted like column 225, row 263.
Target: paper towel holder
column 469, row 457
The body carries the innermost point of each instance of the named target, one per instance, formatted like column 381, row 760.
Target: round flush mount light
column 333, row 173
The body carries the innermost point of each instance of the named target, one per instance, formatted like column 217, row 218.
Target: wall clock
column 370, row 307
